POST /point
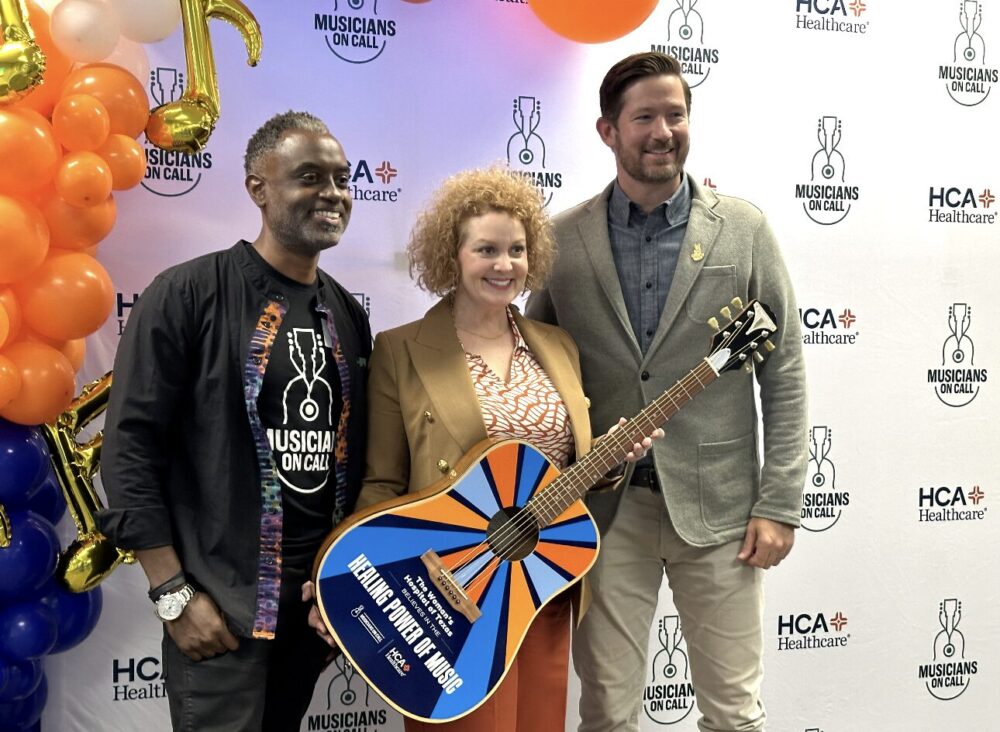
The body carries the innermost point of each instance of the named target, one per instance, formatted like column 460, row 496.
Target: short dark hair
column 630, row 70
column 267, row 136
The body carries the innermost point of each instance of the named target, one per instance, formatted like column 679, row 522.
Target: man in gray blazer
column 642, row 267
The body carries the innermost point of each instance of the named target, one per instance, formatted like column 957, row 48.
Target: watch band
column 174, row 583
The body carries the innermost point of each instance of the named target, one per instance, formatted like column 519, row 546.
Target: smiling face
column 302, row 189
column 492, row 262
column 650, row 137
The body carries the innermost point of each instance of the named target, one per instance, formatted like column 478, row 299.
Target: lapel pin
column 697, row 254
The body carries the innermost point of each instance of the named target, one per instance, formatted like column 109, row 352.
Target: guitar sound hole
column 512, row 534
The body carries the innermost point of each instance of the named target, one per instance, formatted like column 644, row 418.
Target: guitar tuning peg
column 758, row 357
column 713, row 323
column 736, row 303
column 726, row 313
column 748, row 366
column 769, row 346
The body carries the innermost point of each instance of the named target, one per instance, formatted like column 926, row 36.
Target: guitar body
column 378, row 597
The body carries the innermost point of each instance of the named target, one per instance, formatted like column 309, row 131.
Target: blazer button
column 429, row 417
column 644, row 376
column 443, row 466
column 586, row 400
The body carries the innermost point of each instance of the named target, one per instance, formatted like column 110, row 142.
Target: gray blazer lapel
column 440, row 363
column 703, row 229
column 593, row 230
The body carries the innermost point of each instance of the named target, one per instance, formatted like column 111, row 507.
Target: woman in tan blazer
column 473, row 367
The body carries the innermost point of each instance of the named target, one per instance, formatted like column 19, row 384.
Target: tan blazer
column 423, row 413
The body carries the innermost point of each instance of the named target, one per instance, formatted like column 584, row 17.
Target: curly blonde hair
column 437, row 235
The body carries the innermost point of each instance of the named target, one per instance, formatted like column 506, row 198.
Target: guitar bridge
column 444, row 581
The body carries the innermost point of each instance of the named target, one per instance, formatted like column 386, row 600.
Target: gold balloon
column 186, row 125
column 22, row 62
column 4, row 528
column 91, row 557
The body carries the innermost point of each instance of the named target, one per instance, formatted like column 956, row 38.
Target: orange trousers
column 532, row 697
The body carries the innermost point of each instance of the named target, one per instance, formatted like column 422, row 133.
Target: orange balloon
column 28, row 151
column 80, row 122
column 57, row 65
column 78, row 228
column 10, row 381
column 4, row 325
column 75, row 351
column 68, row 297
column 83, row 179
column 126, row 159
column 24, row 238
column 120, row 93
column 11, row 307
column 46, row 383
column 592, row 21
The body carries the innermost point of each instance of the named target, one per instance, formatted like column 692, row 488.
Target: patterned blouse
column 527, row 407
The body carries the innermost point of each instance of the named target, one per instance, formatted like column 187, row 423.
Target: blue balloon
column 22, row 678
column 24, row 461
column 30, row 559
column 23, row 713
column 76, row 614
column 48, row 500
column 27, row 630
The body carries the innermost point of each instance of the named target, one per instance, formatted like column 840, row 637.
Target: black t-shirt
column 299, row 406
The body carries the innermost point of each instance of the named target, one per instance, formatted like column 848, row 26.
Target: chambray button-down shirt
column 645, row 249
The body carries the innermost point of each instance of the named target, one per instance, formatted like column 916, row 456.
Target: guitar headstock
column 742, row 339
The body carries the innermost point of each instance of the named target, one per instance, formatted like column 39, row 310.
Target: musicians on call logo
column 957, row 380
column 950, row 671
column 961, row 205
column 356, row 31
column 348, row 704
column 822, row 500
column 833, row 16
column 828, row 326
column 526, row 153
column 669, row 694
column 800, row 631
column 967, row 78
column 686, row 41
column 827, row 197
column 170, row 173
column 942, row 503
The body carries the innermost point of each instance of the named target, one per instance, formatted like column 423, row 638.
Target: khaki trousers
column 718, row 598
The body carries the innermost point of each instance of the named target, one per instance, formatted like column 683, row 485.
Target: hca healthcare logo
column 123, row 305
column 686, row 41
column 137, row 679
column 956, row 379
column 834, row 16
column 170, row 173
column 960, row 205
column 942, row 503
column 356, row 31
column 828, row 326
column 950, row 671
column 823, row 501
column 669, row 694
column 372, row 182
column 827, row 197
column 800, row 631
column 526, row 154
column 348, row 704
column 967, row 78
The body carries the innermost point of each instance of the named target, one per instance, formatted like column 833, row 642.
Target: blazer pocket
column 727, row 483
column 714, row 288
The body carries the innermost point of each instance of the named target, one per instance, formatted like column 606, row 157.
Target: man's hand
column 201, row 631
column 639, row 449
column 766, row 543
column 315, row 619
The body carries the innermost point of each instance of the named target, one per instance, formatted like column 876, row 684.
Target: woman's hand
column 639, row 449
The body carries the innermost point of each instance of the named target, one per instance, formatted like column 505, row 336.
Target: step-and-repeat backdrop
column 865, row 130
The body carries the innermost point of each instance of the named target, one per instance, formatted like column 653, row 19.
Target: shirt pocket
column 714, row 288
column 727, row 481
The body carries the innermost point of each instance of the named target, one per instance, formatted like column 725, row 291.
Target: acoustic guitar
column 430, row 595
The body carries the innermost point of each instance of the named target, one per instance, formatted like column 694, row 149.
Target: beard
column 648, row 171
column 309, row 238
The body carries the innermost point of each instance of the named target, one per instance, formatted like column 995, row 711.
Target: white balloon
column 85, row 30
column 132, row 57
column 147, row 21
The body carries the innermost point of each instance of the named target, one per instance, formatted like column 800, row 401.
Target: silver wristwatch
column 170, row 605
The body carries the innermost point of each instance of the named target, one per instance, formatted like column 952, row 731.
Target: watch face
column 170, row 606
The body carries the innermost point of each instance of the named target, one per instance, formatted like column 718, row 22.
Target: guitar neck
column 611, row 450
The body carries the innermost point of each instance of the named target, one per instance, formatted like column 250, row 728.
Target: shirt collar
column 675, row 210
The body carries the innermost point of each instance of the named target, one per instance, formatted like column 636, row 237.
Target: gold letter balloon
column 186, row 124
column 22, row 62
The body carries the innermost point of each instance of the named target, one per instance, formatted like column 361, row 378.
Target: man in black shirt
column 234, row 440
